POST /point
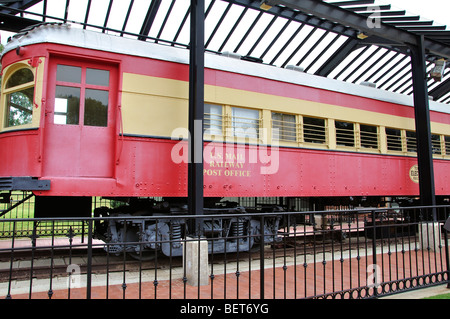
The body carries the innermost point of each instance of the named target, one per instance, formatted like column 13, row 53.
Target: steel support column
column 196, row 108
column 423, row 126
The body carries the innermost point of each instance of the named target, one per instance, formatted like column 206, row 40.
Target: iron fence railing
column 20, row 205
column 363, row 253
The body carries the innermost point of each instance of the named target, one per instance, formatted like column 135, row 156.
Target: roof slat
column 149, row 19
column 369, row 8
column 108, row 12
column 352, row 3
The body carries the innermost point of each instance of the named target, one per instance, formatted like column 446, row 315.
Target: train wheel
column 133, row 250
column 147, row 255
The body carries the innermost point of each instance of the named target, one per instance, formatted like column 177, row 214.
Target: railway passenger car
column 86, row 114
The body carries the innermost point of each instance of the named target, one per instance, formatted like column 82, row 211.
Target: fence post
column 447, row 257
column 429, row 231
column 195, row 261
column 261, row 258
column 374, row 252
column 89, row 262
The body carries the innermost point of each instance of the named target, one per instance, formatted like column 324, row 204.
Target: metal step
column 23, row 183
column 6, row 183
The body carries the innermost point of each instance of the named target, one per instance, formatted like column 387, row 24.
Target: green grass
column 443, row 296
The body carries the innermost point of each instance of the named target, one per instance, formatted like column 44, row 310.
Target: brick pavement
column 285, row 281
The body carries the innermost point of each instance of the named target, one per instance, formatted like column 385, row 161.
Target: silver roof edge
column 73, row 36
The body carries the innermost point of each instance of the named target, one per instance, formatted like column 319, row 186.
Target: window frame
column 319, row 134
column 411, row 141
column 436, row 147
column 394, row 141
column 369, row 140
column 345, row 135
column 287, row 131
column 84, row 87
column 234, row 128
column 6, row 92
column 447, row 144
column 211, row 126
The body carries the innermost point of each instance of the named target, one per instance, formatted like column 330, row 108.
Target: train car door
column 79, row 119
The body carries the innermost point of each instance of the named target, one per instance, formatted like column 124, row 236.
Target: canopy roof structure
column 271, row 32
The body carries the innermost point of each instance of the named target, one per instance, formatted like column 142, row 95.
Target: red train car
column 88, row 114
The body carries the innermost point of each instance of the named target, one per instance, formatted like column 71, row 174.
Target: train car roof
column 67, row 35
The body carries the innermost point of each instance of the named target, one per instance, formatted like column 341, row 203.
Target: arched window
column 19, row 97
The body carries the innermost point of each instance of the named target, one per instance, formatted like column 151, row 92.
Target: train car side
column 126, row 136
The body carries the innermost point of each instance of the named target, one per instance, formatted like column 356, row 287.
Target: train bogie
column 146, row 232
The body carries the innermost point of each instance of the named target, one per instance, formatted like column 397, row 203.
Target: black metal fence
column 347, row 254
column 20, row 205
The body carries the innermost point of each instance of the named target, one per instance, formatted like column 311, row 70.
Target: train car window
column 20, row 77
column 67, row 73
column 96, row 108
column 436, row 144
column 411, row 141
column 447, row 145
column 314, row 130
column 213, row 119
column 284, row 127
column 67, row 105
column 82, row 94
column 245, row 122
column 369, row 136
column 394, row 139
column 19, row 90
column 345, row 134
column 97, row 77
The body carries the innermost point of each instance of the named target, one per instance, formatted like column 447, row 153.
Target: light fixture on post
column 438, row 71
column 362, row 35
column 264, row 6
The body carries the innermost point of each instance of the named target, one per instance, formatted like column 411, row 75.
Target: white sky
column 437, row 10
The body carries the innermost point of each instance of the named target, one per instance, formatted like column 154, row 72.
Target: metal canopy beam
column 440, row 90
column 23, row 4
column 359, row 22
column 300, row 17
column 352, row 3
column 196, row 108
column 13, row 23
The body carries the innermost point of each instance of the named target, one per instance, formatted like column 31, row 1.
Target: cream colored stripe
column 164, row 104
